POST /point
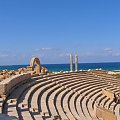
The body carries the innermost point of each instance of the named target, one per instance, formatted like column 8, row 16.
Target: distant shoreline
column 61, row 63
column 110, row 66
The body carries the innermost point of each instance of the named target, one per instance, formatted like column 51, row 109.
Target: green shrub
column 117, row 75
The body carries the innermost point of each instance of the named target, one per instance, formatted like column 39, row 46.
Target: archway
column 38, row 67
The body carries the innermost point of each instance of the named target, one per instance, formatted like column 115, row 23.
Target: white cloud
column 116, row 54
column 108, row 50
column 64, row 55
column 44, row 49
column 3, row 55
column 36, row 50
column 38, row 55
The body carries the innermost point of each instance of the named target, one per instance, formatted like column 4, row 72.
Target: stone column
column 71, row 62
column 76, row 63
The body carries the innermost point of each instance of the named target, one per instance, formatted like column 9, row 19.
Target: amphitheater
column 81, row 95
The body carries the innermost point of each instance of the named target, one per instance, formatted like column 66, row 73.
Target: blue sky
column 52, row 29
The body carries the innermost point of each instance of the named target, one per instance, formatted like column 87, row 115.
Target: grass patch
column 117, row 75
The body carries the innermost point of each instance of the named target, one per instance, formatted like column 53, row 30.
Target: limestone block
column 37, row 69
column 108, row 93
column 105, row 114
column 29, row 68
column 43, row 70
column 2, row 77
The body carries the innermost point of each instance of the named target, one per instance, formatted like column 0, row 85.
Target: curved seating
column 61, row 111
column 66, row 96
column 10, row 106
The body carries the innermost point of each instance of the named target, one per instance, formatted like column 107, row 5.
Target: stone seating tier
column 66, row 96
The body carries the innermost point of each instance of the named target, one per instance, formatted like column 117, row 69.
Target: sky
column 52, row 29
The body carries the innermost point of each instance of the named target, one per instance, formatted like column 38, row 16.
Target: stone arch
column 38, row 67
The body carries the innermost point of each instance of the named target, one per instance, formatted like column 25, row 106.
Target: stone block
column 105, row 114
column 30, row 68
column 108, row 93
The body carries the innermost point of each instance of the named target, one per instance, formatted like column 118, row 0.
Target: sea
column 66, row 67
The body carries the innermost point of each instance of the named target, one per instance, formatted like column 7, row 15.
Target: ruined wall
column 8, row 84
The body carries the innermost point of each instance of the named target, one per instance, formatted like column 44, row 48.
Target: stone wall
column 7, row 84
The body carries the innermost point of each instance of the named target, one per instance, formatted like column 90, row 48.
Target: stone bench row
column 44, row 100
column 56, row 96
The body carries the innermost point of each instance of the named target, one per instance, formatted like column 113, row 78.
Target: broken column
column 71, row 62
column 76, row 63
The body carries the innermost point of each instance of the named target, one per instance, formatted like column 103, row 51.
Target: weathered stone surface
column 2, row 77
column 76, row 63
column 6, row 85
column 30, row 68
column 105, row 114
column 108, row 93
column 44, row 70
column 37, row 61
column 71, row 62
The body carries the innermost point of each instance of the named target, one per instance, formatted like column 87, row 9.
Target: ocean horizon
column 66, row 67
